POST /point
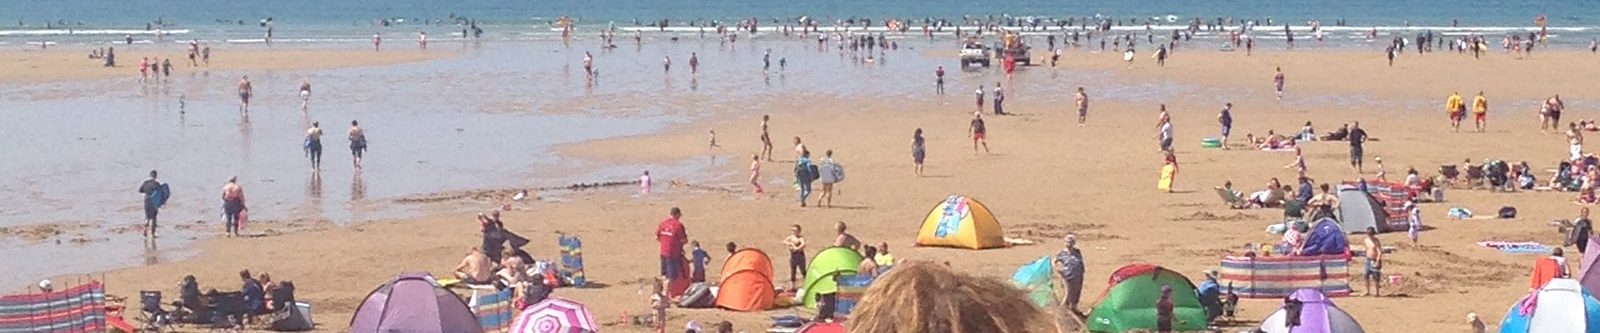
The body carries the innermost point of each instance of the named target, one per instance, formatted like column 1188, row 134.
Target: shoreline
column 67, row 64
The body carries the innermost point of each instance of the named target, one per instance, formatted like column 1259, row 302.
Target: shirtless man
column 358, row 143
column 475, row 268
column 766, row 139
column 1082, row 101
column 1373, row 273
column 799, row 148
column 938, row 80
column 244, row 94
column 314, row 146
column 1575, row 141
column 232, row 205
column 305, row 94
column 980, row 132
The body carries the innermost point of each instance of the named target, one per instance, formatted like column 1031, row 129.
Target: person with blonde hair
column 900, row 301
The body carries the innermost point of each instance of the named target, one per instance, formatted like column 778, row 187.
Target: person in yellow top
column 1456, row 109
column 1480, row 110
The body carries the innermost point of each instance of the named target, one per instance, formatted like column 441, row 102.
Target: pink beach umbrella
column 555, row 315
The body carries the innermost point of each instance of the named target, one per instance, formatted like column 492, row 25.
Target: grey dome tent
column 412, row 302
column 1358, row 210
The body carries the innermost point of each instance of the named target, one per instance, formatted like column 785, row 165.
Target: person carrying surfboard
column 155, row 196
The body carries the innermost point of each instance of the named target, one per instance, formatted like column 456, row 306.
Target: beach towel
column 1517, row 247
column 1459, row 213
column 1544, row 270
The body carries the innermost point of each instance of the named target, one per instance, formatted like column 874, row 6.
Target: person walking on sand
column 803, row 176
column 1480, row 111
column 1082, row 101
column 938, row 80
column 1164, row 135
column 1582, row 229
column 1373, row 273
column 166, row 70
column 796, row 244
column 233, row 209
column 358, row 143
column 1550, row 114
column 150, row 188
column 799, row 148
column 422, row 40
column 979, row 93
column 766, row 138
column 832, row 177
column 313, row 146
column 919, row 150
column 979, row 132
column 671, row 235
column 305, row 94
column 1225, row 118
column 1454, row 106
column 755, row 175
column 1357, row 138
column 244, row 94
column 377, row 42
column 999, row 97
column 205, row 55
column 1277, row 82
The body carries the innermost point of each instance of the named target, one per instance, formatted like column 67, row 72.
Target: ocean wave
column 58, row 32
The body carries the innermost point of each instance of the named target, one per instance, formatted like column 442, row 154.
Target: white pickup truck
column 974, row 54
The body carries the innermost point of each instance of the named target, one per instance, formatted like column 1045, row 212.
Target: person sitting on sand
column 1339, row 134
column 845, row 239
column 1306, row 133
column 475, row 268
column 1272, row 196
column 869, row 262
column 901, row 303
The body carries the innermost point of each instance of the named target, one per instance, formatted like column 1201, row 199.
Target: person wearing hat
column 1069, row 267
column 1210, row 294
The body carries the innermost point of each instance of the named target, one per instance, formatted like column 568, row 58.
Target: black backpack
column 1508, row 212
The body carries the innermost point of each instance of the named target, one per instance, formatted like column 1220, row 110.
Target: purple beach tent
column 412, row 302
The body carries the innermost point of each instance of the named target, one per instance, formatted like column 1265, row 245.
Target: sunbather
column 1338, row 135
column 475, row 268
column 1306, row 133
column 1272, row 196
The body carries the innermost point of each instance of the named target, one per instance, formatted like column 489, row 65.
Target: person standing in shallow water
column 358, row 143
column 244, row 94
column 151, row 208
column 314, row 146
column 232, row 206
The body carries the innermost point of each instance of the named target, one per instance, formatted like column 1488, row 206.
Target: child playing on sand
column 658, row 305
column 698, row 260
column 755, row 175
column 796, row 243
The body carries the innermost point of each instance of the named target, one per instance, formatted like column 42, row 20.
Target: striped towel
column 77, row 309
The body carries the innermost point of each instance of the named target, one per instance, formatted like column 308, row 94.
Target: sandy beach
column 1044, row 178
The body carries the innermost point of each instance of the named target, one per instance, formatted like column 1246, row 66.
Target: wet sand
column 1045, row 177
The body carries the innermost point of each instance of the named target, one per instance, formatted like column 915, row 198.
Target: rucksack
column 1508, row 212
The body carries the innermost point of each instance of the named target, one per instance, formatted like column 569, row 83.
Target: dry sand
column 73, row 63
column 1045, row 177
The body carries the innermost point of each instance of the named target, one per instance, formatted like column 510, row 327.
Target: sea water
column 1571, row 22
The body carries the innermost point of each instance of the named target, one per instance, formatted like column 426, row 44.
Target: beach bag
column 1508, row 212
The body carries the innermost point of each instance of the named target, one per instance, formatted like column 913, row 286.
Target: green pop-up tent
column 1130, row 302
column 827, row 264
